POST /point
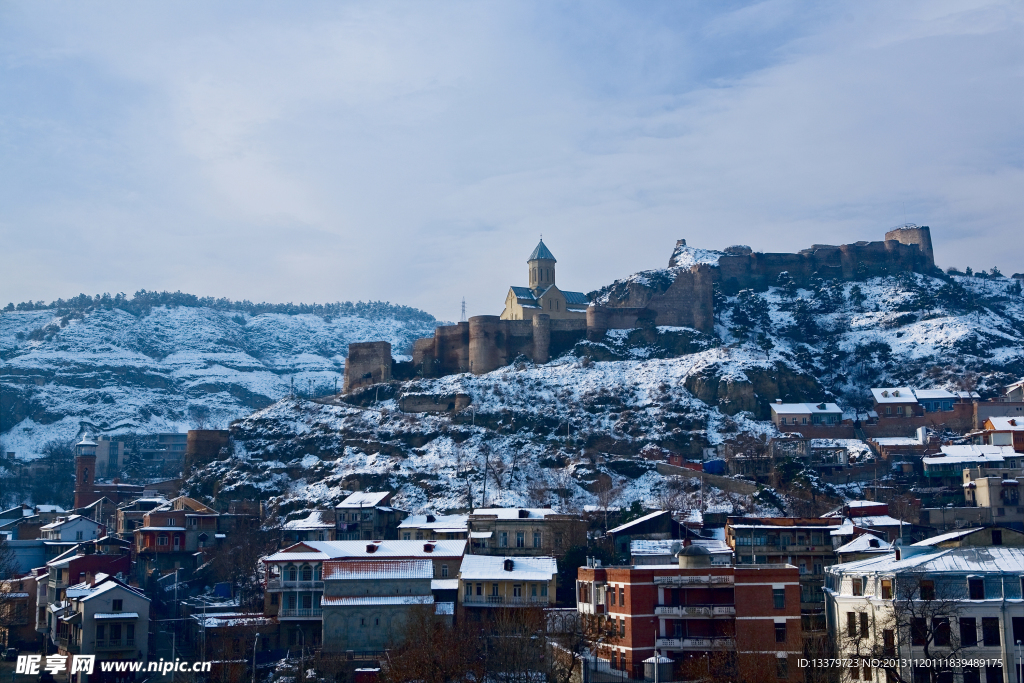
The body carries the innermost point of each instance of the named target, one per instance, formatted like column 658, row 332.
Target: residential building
column 75, row 528
column 106, row 618
column 17, row 612
column 295, row 576
column 993, row 487
column 367, row 603
column 131, row 516
column 947, row 468
column 367, row 516
column 657, row 525
column 318, row 525
column 961, row 603
column 735, row 619
column 896, row 402
column 789, row 417
column 863, row 546
column 490, row 581
column 1004, row 431
column 803, row 542
column 523, row 531
column 434, row 527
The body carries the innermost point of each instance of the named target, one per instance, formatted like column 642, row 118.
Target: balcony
column 695, row 643
column 690, row 580
column 69, row 645
column 282, row 585
column 115, row 644
column 301, row 613
column 587, row 608
column 690, row 611
column 502, row 601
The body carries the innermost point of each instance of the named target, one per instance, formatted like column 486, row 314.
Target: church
column 542, row 296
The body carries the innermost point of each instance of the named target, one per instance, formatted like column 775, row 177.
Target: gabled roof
column 513, row 513
column 541, row 252
column 369, row 570
column 450, row 523
column 576, row 298
column 894, row 395
column 364, row 499
column 67, row 520
column 314, row 520
column 493, row 567
column 951, row 536
column 865, row 543
column 1007, row 424
column 805, row 408
column 636, row 522
column 312, row 551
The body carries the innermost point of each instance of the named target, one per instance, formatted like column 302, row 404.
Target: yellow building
column 542, row 296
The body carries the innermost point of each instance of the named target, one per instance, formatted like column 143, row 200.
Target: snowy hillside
column 114, row 371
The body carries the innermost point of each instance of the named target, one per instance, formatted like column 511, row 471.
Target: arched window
column 307, row 573
column 291, row 573
column 316, row 573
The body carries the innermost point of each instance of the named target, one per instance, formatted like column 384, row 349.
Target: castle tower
column 920, row 235
column 85, row 471
column 542, row 267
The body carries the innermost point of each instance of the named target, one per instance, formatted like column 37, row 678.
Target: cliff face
column 112, row 371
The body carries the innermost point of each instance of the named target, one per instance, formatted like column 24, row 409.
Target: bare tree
column 570, row 636
column 199, row 415
column 428, row 650
column 237, row 561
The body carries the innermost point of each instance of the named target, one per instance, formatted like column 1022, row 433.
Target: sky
column 415, row 152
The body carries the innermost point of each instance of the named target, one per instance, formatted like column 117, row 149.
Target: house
column 367, row 603
column 434, row 527
column 489, row 581
column 72, row 567
column 106, row 618
column 789, row 417
column 863, row 546
column 980, row 537
column 896, row 402
column 131, row 516
column 17, row 612
column 318, row 525
column 657, row 525
column 73, row 528
column 295, row 585
column 919, row 597
column 737, row 619
column 1014, row 393
column 947, row 468
column 542, row 296
column 523, row 531
column 1004, row 431
column 367, row 516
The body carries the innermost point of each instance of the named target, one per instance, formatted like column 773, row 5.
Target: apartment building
column 960, row 603
column 367, row 516
column 517, row 532
column 434, row 527
column 946, row 469
column 490, row 581
column 734, row 619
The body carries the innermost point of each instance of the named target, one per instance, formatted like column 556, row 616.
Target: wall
column 367, row 363
column 725, row 483
column 203, row 446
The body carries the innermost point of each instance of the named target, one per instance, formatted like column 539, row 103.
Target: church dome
column 541, row 252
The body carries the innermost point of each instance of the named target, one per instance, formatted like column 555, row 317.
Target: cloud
column 413, row 151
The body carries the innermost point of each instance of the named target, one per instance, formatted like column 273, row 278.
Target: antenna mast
column 463, row 318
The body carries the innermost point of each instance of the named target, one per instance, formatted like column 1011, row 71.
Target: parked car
column 10, row 654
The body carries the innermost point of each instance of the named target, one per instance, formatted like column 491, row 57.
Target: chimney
column 428, row 547
column 509, row 565
column 524, row 514
column 371, row 548
column 778, row 401
column 431, row 519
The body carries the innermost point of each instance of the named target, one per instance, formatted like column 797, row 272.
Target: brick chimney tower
column 85, row 471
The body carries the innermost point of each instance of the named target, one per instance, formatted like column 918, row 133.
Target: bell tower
column 85, row 471
column 542, row 267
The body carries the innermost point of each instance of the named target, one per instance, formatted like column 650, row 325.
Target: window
column 115, row 633
column 968, row 631
column 782, row 420
column 781, row 667
column 611, row 595
column 362, row 621
column 78, row 535
column 888, row 641
column 101, row 633
column 520, row 539
column 494, row 589
column 918, row 631
column 780, row 632
column 622, row 626
column 406, row 536
column 858, row 586
column 615, row 656
column 851, row 624
column 990, row 631
column 863, row 624
column 517, row 590
column 927, row 590
column 307, row 573
column 941, row 631
column 543, row 590
column 1018, row 629
column 444, row 571
column 503, row 539
column 976, row 588
column 997, row 537
column 622, row 595
column 779, row 597
column 161, row 539
column 469, row 589
column 888, row 410
column 533, row 590
column 118, row 605
column 130, row 633
column 558, row 540
column 536, row 539
column 887, row 589
column 273, row 598
column 479, row 589
column 804, row 420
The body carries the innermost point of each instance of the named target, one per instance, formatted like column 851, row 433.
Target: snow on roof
column 513, row 513
column 493, row 567
column 161, row 528
column 108, row 586
column 364, row 499
column 996, row 559
column 350, row 601
column 444, row 608
column 49, row 508
column 360, row 570
column 334, row 550
column 1007, row 424
column 444, row 585
column 970, row 453
column 441, row 522
column 623, row 527
column 952, row 535
column 894, row 395
column 897, row 441
column 66, row 520
column 314, row 520
column 116, row 615
column 229, row 619
column 865, row 543
column 664, row 546
column 925, row 394
column 481, row 534
column 805, row 408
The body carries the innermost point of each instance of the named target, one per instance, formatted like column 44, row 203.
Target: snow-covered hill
column 114, row 371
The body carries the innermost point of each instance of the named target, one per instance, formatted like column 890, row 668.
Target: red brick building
column 741, row 622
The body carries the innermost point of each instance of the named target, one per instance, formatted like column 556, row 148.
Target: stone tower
column 542, row 267
column 920, row 235
column 85, row 471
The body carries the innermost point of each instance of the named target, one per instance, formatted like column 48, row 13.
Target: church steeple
column 542, row 267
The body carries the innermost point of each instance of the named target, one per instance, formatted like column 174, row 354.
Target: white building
column 73, row 528
column 960, row 603
column 434, row 527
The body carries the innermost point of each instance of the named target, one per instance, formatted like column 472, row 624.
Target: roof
column 996, row 559
column 804, row 408
column 116, row 615
column 894, row 395
column 1006, row 424
column 308, row 551
column 897, row 441
column 863, row 544
column 493, row 567
column 356, row 570
column 229, row 619
column 952, row 535
column 524, row 293
column 348, row 601
column 925, row 394
column 970, row 453
column 364, row 499
column 314, row 520
column 576, row 298
column 444, row 585
column 541, row 251
column 67, row 520
column 513, row 513
column 160, row 528
column 640, row 520
column 440, row 523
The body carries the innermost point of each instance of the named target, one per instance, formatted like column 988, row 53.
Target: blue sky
column 413, row 152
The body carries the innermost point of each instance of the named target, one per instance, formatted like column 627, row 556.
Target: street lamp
column 255, row 642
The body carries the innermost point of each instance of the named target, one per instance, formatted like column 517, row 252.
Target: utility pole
column 255, row 642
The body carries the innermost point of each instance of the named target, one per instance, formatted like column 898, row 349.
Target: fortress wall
column 451, row 348
column 564, row 335
column 487, row 344
column 367, row 363
column 921, row 236
column 423, row 355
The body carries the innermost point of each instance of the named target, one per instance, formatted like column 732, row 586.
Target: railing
column 502, row 601
column 588, row 608
column 695, row 643
column 679, row 580
column 301, row 612
column 694, row 610
column 281, row 584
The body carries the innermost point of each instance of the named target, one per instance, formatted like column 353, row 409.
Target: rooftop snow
column 484, row 567
column 361, row 570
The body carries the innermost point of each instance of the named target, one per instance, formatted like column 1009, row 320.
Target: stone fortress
column 542, row 321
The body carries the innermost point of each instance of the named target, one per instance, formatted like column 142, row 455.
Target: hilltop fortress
column 541, row 321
